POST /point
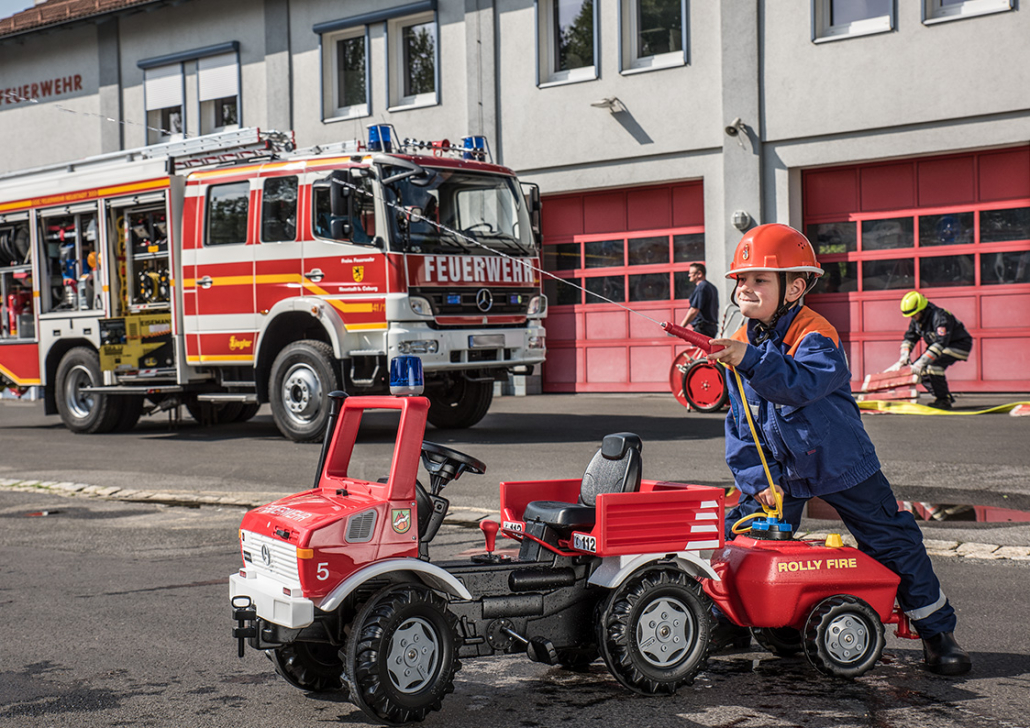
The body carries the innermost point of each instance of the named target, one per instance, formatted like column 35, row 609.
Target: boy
column 796, row 381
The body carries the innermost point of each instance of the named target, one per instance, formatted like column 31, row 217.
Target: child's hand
column 732, row 352
column 767, row 498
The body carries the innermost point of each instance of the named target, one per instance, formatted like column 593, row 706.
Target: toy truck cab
column 338, row 588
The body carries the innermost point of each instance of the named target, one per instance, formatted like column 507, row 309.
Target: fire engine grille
column 271, row 557
column 463, row 302
column 360, row 527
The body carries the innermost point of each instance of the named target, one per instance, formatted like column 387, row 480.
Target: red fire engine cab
column 227, row 271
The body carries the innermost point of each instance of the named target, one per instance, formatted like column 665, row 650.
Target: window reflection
column 947, row 270
column 838, row 277
column 888, row 234
column 830, row 238
column 879, row 275
column 612, row 288
column 998, row 268
column 682, row 286
column 953, row 228
column 649, row 287
column 563, row 256
column 649, row 251
column 603, row 254
column 688, row 248
column 997, row 226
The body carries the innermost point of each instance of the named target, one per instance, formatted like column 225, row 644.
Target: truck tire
column 462, row 404
column 82, row 412
column 213, row 413
column 132, row 410
column 302, row 376
column 387, row 679
column 654, row 631
column 248, row 411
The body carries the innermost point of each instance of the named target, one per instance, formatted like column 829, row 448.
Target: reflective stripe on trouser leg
column 924, row 612
column 892, row 537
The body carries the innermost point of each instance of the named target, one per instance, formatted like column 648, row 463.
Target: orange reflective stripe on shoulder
column 808, row 322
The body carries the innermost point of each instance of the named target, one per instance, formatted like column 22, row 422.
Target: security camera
column 734, row 128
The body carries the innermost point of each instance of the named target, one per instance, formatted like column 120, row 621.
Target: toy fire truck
column 227, row 271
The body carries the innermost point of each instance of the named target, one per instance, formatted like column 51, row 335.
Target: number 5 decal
column 323, row 571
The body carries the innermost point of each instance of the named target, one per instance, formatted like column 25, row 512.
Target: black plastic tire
column 704, row 387
column 577, row 659
column 314, row 667
column 213, row 413
column 401, row 655
column 782, row 641
column 654, row 631
column 81, row 412
column 303, row 375
column 843, row 636
column 461, row 404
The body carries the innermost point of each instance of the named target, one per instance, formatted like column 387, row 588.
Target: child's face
column 758, row 294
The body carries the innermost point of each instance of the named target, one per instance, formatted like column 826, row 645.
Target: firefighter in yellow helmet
column 947, row 342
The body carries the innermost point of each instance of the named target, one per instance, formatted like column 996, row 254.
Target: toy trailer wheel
column 654, row 631
column 843, row 637
column 782, row 641
column 704, row 387
column 401, row 655
column 316, row 668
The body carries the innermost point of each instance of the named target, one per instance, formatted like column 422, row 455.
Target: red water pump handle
column 691, row 337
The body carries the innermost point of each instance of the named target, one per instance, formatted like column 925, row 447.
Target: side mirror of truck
column 532, row 194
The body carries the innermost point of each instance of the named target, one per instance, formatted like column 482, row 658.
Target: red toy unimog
column 338, row 589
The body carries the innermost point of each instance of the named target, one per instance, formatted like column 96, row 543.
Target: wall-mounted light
column 612, row 103
column 735, row 129
column 741, row 220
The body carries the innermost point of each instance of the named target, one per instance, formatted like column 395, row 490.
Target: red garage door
column 632, row 246
column 955, row 227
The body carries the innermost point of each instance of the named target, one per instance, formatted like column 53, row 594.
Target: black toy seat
column 615, row 468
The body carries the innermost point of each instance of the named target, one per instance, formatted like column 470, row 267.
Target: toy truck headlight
column 537, row 306
column 420, row 306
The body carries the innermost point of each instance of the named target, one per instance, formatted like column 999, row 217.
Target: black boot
column 727, row 635
column 943, row 656
column 938, row 387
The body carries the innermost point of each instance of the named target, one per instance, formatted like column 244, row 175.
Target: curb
column 458, row 515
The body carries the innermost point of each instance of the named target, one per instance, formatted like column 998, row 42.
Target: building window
column 653, row 34
column 837, row 19
column 567, row 40
column 218, row 86
column 163, row 95
column 414, row 53
column 936, row 11
column 345, row 74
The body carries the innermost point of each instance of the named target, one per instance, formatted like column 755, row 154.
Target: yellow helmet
column 913, row 303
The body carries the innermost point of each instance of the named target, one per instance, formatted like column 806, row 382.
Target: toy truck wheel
column 316, row 668
column 843, row 637
column 461, row 404
column 84, row 412
column 401, row 654
column 704, row 387
column 301, row 379
column 654, row 631
column 782, row 641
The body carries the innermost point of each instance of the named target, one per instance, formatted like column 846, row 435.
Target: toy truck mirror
column 532, row 195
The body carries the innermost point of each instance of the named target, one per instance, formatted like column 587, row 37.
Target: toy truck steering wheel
column 445, row 465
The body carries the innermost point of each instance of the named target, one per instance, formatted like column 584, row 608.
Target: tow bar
column 244, row 613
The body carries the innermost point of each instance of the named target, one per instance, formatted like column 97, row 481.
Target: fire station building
column 895, row 133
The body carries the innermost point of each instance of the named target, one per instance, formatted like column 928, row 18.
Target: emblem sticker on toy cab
column 582, row 542
column 401, row 518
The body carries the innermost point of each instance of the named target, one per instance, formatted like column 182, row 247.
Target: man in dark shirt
column 947, row 342
column 704, row 303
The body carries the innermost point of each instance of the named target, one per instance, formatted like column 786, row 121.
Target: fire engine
column 226, row 271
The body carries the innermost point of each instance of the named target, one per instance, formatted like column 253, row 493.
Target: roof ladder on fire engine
column 375, row 356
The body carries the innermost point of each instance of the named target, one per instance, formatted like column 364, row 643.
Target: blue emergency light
column 380, row 138
column 475, row 147
column 406, row 376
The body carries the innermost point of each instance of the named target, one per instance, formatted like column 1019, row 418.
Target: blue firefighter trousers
column 886, row 533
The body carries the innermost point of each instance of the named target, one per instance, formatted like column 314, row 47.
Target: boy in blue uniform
column 797, row 385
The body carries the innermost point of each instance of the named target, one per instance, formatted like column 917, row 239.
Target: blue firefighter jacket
column 797, row 384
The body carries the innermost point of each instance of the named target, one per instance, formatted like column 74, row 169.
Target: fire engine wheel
column 843, row 637
column 316, row 668
column 247, row 412
column 213, row 413
column 84, row 412
column 462, row 403
column 782, row 641
column 131, row 411
column 401, row 654
column 704, row 387
column 654, row 631
column 303, row 375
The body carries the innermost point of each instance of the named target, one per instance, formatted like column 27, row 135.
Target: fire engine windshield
column 453, row 208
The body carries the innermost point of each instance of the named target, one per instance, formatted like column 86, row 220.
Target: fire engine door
column 278, row 259
column 226, row 318
column 351, row 276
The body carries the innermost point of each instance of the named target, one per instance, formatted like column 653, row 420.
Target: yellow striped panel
column 17, row 380
column 154, row 184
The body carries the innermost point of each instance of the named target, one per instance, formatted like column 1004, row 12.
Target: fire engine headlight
column 420, row 306
column 419, row 347
column 536, row 342
column 537, row 306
